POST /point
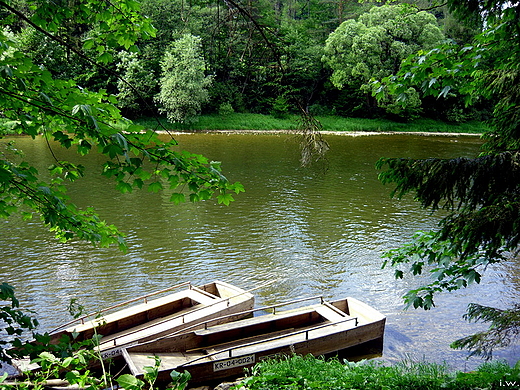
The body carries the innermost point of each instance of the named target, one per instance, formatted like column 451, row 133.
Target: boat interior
column 145, row 314
column 237, row 338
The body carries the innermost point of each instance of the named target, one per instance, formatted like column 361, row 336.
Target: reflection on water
column 311, row 231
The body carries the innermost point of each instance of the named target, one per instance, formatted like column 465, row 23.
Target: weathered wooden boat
column 161, row 316
column 213, row 303
column 223, row 351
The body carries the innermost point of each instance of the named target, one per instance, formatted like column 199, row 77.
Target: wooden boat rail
column 278, row 337
column 263, row 308
column 144, row 297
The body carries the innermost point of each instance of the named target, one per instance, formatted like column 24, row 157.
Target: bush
column 280, row 107
column 225, row 109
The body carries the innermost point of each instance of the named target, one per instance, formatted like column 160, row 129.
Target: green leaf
column 123, row 187
column 177, row 198
column 155, row 186
column 225, row 199
column 130, row 382
column 105, row 58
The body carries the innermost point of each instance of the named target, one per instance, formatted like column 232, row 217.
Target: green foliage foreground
column 34, row 101
column 308, row 372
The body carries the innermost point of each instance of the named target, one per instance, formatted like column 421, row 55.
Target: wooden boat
column 223, row 351
column 161, row 316
column 213, row 303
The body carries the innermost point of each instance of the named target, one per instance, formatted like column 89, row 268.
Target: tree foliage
column 35, row 102
column 183, row 82
column 481, row 195
column 14, row 322
column 374, row 45
column 260, row 53
column 504, row 329
column 136, row 84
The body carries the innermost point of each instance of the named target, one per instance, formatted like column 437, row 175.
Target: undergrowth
column 237, row 121
column 308, row 372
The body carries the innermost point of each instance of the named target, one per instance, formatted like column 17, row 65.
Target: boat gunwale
column 104, row 310
column 205, row 323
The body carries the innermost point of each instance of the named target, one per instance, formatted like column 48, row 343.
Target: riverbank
column 343, row 133
column 308, row 372
column 330, row 124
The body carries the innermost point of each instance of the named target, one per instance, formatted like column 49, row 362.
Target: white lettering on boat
column 234, row 362
column 111, row 353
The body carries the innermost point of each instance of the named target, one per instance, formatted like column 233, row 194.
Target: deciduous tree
column 184, row 83
column 374, row 45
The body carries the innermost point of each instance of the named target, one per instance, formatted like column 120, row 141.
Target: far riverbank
column 330, row 124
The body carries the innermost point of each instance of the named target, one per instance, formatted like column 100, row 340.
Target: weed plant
column 302, row 373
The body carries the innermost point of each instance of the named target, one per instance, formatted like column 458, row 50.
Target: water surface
column 312, row 231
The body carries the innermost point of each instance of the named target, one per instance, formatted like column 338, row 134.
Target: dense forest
column 265, row 56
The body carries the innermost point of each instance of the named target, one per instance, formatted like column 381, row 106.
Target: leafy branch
column 504, row 329
column 38, row 104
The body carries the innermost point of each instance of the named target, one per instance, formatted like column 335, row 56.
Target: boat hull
column 224, row 351
column 213, row 303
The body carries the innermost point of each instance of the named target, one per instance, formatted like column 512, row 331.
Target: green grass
column 330, row 123
column 304, row 373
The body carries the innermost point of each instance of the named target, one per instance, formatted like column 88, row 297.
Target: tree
column 481, row 195
column 183, row 82
column 137, row 84
column 374, row 45
column 33, row 102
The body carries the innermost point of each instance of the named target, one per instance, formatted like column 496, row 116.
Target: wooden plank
column 330, row 314
column 273, row 342
column 204, row 299
column 145, row 330
column 225, row 346
column 169, row 361
column 244, row 323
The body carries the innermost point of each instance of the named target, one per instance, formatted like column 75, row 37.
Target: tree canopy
column 481, row 195
column 374, row 45
column 183, row 82
column 263, row 56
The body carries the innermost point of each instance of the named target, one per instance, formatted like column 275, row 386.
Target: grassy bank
column 304, row 373
column 330, row 123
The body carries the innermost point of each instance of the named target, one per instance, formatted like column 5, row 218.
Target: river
column 311, row 231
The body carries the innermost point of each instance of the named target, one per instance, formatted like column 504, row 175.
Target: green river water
column 311, row 231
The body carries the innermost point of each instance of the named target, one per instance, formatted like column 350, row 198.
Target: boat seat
column 200, row 298
column 137, row 361
column 231, row 344
column 243, row 323
column 330, row 314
